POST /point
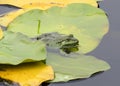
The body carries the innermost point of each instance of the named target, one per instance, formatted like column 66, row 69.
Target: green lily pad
column 87, row 23
column 16, row 48
column 79, row 66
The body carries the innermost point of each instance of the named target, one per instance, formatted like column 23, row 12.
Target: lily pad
column 87, row 23
column 29, row 74
column 16, row 48
column 36, row 4
column 1, row 33
column 79, row 66
column 50, row 3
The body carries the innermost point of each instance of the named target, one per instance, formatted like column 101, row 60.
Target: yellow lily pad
column 22, row 3
column 1, row 33
column 29, row 74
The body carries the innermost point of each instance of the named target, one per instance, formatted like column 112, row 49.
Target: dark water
column 108, row 50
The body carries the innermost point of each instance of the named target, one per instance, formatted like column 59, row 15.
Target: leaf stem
column 38, row 27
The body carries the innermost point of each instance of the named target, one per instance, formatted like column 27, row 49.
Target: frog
column 66, row 43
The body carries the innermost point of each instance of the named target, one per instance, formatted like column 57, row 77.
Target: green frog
column 66, row 43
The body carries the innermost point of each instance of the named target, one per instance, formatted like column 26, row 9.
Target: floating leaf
column 79, row 66
column 37, row 3
column 50, row 3
column 16, row 48
column 1, row 33
column 87, row 23
column 30, row 74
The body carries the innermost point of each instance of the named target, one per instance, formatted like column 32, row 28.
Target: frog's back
column 61, row 41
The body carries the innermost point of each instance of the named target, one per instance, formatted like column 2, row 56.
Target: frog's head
column 69, row 42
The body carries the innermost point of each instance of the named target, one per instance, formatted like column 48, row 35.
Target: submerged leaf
column 45, row 3
column 87, row 23
column 1, row 33
column 79, row 66
column 16, row 48
column 30, row 74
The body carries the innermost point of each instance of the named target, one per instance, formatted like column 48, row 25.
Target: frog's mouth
column 70, row 46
